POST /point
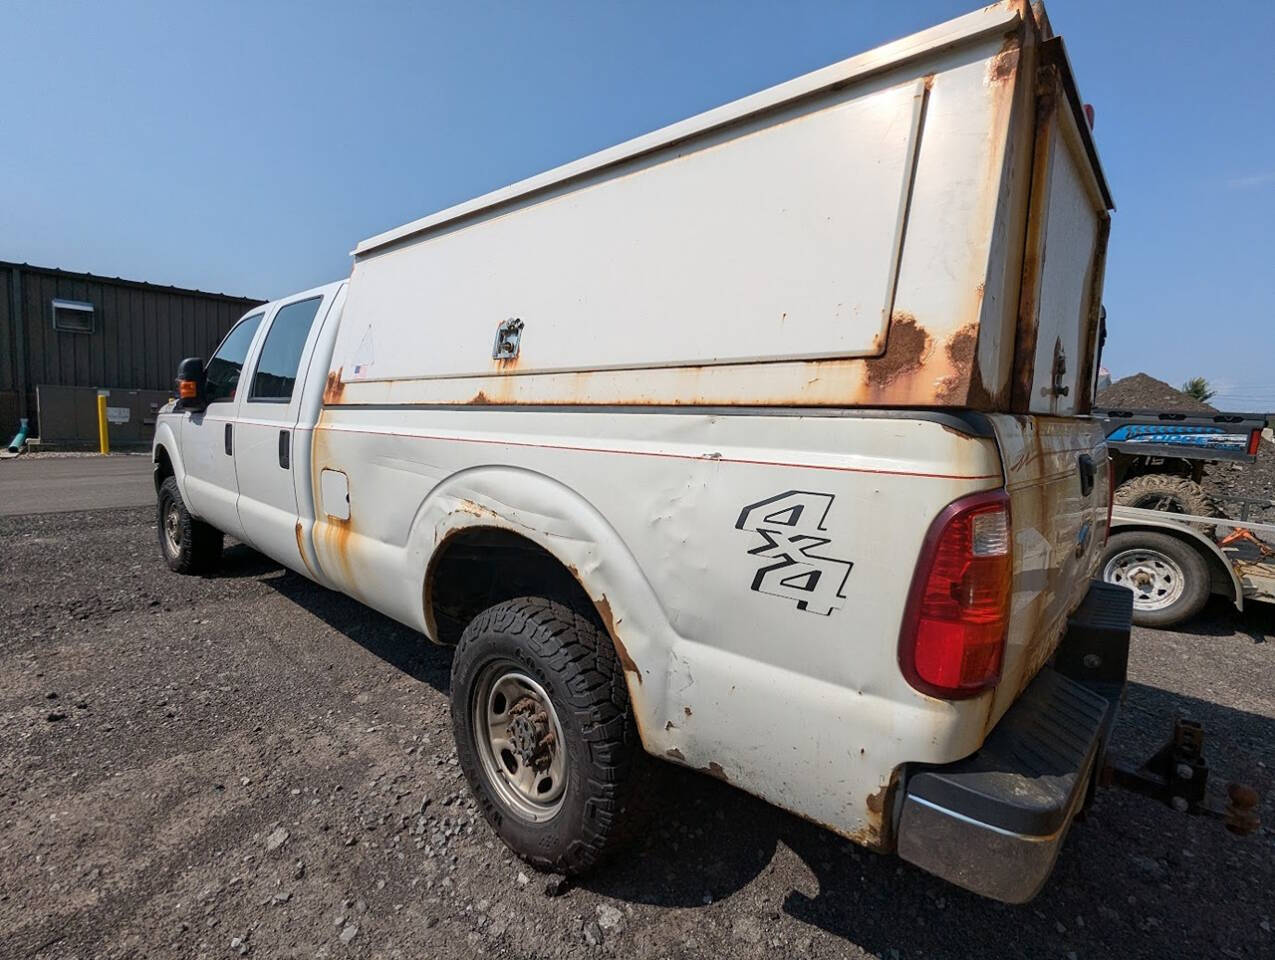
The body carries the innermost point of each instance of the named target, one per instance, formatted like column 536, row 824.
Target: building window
column 72, row 316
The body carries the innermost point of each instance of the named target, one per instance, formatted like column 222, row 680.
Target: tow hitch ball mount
column 1177, row 775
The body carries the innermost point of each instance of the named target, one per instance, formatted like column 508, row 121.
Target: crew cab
column 757, row 445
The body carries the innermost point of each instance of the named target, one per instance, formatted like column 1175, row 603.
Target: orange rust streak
column 608, row 619
column 334, row 387
column 301, row 551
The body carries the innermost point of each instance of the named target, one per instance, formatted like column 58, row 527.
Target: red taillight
column 953, row 636
column 1254, row 438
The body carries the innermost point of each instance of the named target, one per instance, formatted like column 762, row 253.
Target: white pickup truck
column 756, row 444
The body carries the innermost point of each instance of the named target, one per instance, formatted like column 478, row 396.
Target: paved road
column 63, row 484
column 199, row 766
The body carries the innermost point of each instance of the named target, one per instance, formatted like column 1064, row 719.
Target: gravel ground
column 251, row 765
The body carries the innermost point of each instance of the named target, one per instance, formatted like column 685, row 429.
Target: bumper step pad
column 993, row 822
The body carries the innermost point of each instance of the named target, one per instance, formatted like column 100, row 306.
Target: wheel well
column 479, row 567
column 1219, row 576
column 163, row 466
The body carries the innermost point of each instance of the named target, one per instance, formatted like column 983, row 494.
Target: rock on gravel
column 277, row 838
column 609, row 918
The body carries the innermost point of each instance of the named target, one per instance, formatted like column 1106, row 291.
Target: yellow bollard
column 103, row 438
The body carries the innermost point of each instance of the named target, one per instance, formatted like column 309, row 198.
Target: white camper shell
column 920, row 225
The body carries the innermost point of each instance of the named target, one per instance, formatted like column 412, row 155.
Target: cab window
column 222, row 372
column 277, row 369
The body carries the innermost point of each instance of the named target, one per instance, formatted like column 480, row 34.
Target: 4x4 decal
column 791, row 526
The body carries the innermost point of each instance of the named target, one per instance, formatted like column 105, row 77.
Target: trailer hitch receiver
column 1177, row 775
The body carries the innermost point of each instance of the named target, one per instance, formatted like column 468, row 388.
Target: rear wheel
column 1169, row 578
column 189, row 545
column 544, row 732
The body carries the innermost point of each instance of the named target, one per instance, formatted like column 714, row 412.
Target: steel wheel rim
column 1156, row 579
column 511, row 711
column 172, row 528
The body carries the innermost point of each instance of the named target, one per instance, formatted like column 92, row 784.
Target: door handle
column 1087, row 473
column 230, row 445
column 284, row 449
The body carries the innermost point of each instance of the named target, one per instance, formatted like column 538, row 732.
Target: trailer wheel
column 188, row 545
column 545, row 733
column 1169, row 578
column 1159, row 491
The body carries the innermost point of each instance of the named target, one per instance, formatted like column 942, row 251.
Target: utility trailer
column 1174, row 562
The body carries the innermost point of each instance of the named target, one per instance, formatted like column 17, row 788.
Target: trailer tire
column 545, row 733
column 1169, row 578
column 1159, row 491
column 188, row 544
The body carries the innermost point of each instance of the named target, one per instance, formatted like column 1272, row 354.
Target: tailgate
column 1059, row 487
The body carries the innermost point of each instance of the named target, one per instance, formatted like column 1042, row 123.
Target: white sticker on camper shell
column 363, row 357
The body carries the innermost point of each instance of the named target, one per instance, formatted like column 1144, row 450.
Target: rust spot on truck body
column 603, row 606
column 1003, row 67
column 301, row 550
column 675, row 754
column 877, row 833
column 714, row 770
column 334, row 387
column 906, row 347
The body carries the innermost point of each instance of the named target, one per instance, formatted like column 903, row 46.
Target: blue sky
column 247, row 147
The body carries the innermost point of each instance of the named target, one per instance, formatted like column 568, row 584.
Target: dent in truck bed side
column 722, row 659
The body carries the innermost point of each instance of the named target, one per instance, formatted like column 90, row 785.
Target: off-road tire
column 1196, row 581
column 1160, row 491
column 574, row 661
column 195, row 546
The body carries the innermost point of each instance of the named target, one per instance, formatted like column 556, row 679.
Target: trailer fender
column 1218, row 563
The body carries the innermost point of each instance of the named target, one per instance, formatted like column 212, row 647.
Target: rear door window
column 277, row 369
column 223, row 370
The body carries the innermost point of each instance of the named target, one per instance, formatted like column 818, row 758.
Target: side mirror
column 192, row 387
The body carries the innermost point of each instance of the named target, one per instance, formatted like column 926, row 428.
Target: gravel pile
column 1141, row 392
column 1252, row 481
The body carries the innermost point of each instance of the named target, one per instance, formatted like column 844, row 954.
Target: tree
column 1198, row 388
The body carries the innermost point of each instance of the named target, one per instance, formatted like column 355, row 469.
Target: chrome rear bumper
column 994, row 822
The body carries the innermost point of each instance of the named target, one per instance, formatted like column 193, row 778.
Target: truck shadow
column 1133, row 871
column 399, row 646
column 1219, row 618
